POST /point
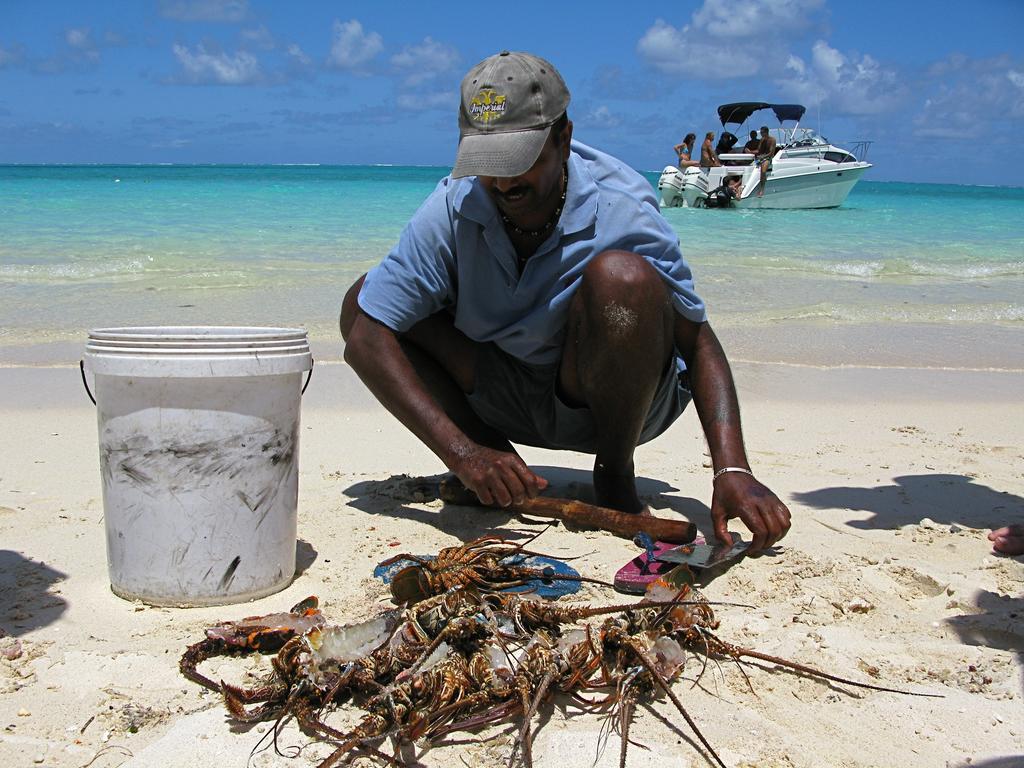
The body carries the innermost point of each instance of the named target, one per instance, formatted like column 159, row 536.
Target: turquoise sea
column 93, row 246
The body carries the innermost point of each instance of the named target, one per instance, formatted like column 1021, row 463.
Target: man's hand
column 498, row 478
column 740, row 495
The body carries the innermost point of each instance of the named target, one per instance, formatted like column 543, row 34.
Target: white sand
column 893, row 477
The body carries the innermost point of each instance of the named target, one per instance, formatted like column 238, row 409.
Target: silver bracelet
column 723, row 470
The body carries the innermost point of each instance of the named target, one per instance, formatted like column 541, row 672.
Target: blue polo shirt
column 455, row 254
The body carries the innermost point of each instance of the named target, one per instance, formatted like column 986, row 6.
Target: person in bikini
column 684, row 150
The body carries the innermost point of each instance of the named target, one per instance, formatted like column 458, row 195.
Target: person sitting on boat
column 708, row 157
column 539, row 297
column 766, row 150
column 726, row 142
column 722, row 196
column 685, row 150
column 753, row 144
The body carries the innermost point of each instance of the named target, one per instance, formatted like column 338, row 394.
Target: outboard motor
column 670, row 187
column 681, row 188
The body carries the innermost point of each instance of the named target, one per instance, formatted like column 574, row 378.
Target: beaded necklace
column 534, row 233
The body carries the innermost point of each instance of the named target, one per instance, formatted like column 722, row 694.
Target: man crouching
column 539, row 297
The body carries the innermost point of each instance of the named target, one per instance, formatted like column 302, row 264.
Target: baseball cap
column 509, row 103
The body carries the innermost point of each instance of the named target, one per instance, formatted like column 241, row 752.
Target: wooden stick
column 582, row 515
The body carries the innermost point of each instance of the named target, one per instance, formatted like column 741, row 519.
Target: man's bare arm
column 376, row 355
column 714, row 397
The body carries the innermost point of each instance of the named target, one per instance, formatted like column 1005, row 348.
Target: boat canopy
column 741, row 110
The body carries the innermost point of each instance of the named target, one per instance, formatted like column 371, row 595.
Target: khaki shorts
column 521, row 401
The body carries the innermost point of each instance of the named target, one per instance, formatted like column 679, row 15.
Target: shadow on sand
column 394, row 496
column 27, row 598
column 305, row 556
column 1012, row 761
column 945, row 499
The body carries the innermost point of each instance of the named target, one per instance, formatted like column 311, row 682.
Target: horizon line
column 397, row 165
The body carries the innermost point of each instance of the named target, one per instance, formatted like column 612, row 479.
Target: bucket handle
column 81, row 367
column 85, row 381
column 309, row 376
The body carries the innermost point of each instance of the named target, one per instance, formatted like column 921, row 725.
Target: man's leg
column 445, row 360
column 618, row 342
column 764, row 178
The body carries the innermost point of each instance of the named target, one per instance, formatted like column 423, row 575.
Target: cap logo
column 487, row 106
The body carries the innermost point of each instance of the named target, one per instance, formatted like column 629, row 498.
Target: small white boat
column 806, row 172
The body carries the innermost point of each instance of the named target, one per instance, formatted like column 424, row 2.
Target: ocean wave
column 964, row 270
column 69, row 271
column 855, row 268
column 921, row 268
column 840, row 314
column 873, row 268
column 999, row 313
column 831, row 313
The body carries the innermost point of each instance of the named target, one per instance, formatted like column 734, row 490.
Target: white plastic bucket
column 199, row 446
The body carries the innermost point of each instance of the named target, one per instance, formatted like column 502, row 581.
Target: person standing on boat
column 766, row 150
column 685, row 150
column 539, row 297
column 708, row 158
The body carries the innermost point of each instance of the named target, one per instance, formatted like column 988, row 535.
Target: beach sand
column 893, row 477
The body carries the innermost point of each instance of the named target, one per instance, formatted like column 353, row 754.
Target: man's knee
column 621, row 298
column 349, row 307
column 621, row 276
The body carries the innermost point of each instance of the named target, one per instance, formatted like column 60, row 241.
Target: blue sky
column 938, row 86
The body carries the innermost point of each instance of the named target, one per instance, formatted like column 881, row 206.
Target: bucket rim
column 197, row 353
column 202, row 333
column 169, row 343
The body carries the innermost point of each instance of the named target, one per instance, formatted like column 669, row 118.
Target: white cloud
column 298, row 56
column 731, row 19
column 205, row 10
column 82, row 47
column 425, row 61
column 433, row 100
column 728, row 38
column 734, row 39
column 972, row 98
column 601, row 117
column 8, row 57
column 78, row 38
column 259, row 37
column 352, row 47
column 203, row 66
column 78, row 51
column 171, row 144
column 689, row 53
column 849, row 85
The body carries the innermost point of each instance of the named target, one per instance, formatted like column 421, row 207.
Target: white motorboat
column 806, row 172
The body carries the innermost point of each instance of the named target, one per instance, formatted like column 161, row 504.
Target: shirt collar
column 581, row 200
column 578, row 213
